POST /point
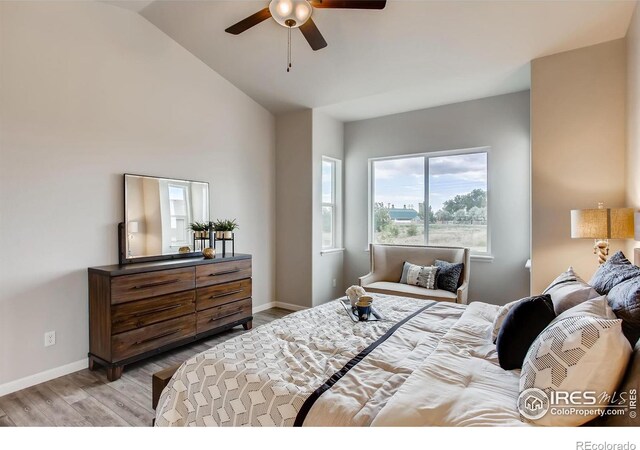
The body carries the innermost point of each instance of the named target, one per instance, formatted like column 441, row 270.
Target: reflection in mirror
column 158, row 212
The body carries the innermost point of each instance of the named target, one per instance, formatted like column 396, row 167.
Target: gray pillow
column 449, row 276
column 616, row 270
column 624, row 299
column 423, row 276
column 569, row 290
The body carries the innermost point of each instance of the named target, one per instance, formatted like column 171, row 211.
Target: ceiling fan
column 297, row 14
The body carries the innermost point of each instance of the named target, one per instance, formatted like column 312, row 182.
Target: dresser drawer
column 135, row 342
column 128, row 288
column 210, row 274
column 131, row 315
column 220, row 294
column 222, row 315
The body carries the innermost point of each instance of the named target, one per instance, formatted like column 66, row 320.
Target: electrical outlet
column 49, row 338
column 334, row 282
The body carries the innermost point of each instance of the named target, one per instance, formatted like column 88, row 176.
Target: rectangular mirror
column 158, row 213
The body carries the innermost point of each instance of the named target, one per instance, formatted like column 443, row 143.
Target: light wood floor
column 86, row 398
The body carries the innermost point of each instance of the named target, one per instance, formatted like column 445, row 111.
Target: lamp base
column 601, row 248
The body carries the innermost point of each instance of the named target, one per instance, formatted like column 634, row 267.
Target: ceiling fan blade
column 249, row 22
column 313, row 35
column 350, row 4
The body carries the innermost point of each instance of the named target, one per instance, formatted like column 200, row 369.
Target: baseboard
column 287, row 306
column 41, row 377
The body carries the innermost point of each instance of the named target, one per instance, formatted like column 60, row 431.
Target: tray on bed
column 374, row 316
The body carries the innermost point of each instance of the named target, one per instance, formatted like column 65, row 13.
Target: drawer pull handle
column 213, row 319
column 157, row 310
column 144, row 341
column 158, row 283
column 226, row 294
column 226, row 272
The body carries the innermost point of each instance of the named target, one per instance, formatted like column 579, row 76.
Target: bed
column 427, row 363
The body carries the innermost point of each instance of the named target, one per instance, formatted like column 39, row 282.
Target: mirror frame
column 122, row 231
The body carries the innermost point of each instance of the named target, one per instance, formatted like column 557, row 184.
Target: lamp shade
column 602, row 223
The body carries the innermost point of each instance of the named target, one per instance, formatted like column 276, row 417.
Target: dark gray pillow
column 524, row 322
column 449, row 275
column 616, row 270
column 624, row 299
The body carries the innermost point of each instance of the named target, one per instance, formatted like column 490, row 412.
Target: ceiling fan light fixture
column 290, row 13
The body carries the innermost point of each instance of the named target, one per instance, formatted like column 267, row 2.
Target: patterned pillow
column 569, row 290
column 423, row 276
column 575, row 354
column 449, row 276
column 616, row 270
column 624, row 299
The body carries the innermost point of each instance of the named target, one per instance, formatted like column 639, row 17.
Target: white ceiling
column 411, row 55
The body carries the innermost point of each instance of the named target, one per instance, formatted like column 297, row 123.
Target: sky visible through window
column 401, row 181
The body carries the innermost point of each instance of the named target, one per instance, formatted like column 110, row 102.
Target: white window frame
column 187, row 200
column 335, row 204
column 427, row 155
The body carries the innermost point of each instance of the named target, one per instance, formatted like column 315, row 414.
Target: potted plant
column 224, row 228
column 199, row 229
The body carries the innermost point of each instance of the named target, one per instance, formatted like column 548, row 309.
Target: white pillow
column 500, row 316
column 569, row 290
column 595, row 307
column 574, row 354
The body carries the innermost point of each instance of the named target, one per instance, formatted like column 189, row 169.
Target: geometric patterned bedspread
column 263, row 377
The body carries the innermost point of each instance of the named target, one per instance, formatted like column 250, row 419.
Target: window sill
column 482, row 258
column 331, row 250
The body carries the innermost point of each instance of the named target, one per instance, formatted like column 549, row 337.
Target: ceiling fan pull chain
column 289, row 51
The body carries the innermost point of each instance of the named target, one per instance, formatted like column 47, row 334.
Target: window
column 431, row 199
column 331, row 195
column 178, row 213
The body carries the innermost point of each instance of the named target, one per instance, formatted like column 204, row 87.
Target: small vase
column 228, row 234
column 208, row 253
column 219, row 234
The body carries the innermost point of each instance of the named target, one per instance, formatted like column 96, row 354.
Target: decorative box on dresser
column 138, row 310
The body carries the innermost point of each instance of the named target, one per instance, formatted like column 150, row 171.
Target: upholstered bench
column 386, row 269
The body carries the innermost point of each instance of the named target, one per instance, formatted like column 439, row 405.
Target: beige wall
column 500, row 122
column 328, row 140
column 633, row 117
column 577, row 152
column 294, row 208
column 89, row 91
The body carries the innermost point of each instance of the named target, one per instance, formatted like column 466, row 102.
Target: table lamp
column 602, row 224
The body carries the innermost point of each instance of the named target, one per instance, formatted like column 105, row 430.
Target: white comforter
column 437, row 369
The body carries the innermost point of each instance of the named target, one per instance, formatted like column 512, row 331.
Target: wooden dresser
column 138, row 310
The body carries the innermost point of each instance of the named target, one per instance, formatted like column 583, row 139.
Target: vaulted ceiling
column 411, row 55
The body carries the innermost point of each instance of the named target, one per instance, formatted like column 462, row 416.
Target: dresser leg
column 114, row 372
column 247, row 325
column 92, row 363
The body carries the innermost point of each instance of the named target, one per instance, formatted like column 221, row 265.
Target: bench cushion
column 406, row 290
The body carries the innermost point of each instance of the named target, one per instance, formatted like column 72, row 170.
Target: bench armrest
column 462, row 293
column 368, row 279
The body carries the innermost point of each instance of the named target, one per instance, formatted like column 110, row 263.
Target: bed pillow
column 423, row 276
column 616, row 270
column 450, row 275
column 521, row 326
column 500, row 316
column 594, row 307
column 624, row 299
column 575, row 354
column 569, row 290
